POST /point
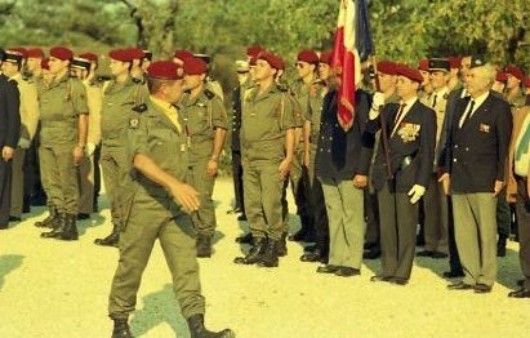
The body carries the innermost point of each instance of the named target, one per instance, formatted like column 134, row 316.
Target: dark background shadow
column 9, row 263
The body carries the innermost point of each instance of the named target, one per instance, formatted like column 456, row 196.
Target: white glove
column 416, row 193
column 378, row 101
column 90, row 148
column 24, row 143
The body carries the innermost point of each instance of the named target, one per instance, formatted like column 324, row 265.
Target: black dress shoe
column 398, row 281
column 374, row 253
column 14, row 219
column 482, row 288
column 460, row 286
column 380, row 278
column 453, row 274
column 521, row 293
column 425, row 253
column 314, row 256
column 345, row 271
column 439, row 255
column 328, row 268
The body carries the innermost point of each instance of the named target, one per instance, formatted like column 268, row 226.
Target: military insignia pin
column 133, row 123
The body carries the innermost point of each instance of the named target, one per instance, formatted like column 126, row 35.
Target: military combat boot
column 110, row 240
column 255, row 253
column 197, row 329
column 281, row 249
column 58, row 226
column 204, row 246
column 121, row 329
column 49, row 222
column 270, row 258
column 69, row 231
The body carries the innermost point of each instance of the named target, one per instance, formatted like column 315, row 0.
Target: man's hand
column 378, row 101
column 416, row 193
column 212, row 167
column 7, row 153
column 360, row 181
column 186, row 196
column 445, row 179
column 78, row 153
column 284, row 168
column 499, row 185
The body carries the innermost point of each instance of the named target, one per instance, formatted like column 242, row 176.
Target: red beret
column 61, row 53
column 515, row 71
column 273, row 60
column 253, row 60
column 386, row 67
column 253, row 51
column 409, row 73
column 308, row 56
column 120, row 55
column 526, row 82
column 89, row 56
column 35, row 53
column 44, row 64
column 195, row 66
column 136, row 53
column 424, row 65
column 501, row 77
column 455, row 62
column 164, row 70
column 325, row 57
column 183, row 54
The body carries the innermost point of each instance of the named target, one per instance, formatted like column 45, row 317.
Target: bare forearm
column 219, row 140
column 307, row 136
column 82, row 129
column 289, row 144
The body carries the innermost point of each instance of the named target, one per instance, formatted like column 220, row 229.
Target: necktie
column 398, row 118
column 467, row 114
column 434, row 100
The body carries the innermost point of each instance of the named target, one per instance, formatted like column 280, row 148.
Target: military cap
column 242, row 66
column 424, row 65
column 526, row 82
column 45, row 63
column 386, row 67
column 204, row 57
column 273, row 60
column 477, row 61
column 164, row 70
column 89, row 56
column 148, row 54
column 409, row 73
column 454, row 62
column 195, row 66
column 120, row 55
column 182, row 54
column 253, row 51
column 35, row 53
column 439, row 64
column 80, row 63
column 14, row 55
column 325, row 57
column 136, row 53
column 501, row 77
column 308, row 56
column 514, row 71
column 61, row 53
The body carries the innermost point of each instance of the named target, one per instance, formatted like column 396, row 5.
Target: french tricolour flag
column 353, row 44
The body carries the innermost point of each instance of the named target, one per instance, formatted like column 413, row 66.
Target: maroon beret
column 183, row 54
column 455, row 62
column 325, row 57
column 120, row 55
column 515, row 71
column 501, row 77
column 45, row 63
column 409, row 73
column 136, row 53
column 195, row 66
column 164, row 70
column 273, row 60
column 253, row 51
column 424, row 65
column 526, row 82
column 386, row 67
column 89, row 56
column 308, row 56
column 35, row 53
column 61, row 53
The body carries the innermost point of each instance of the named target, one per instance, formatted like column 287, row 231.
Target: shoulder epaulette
column 140, row 108
column 209, row 94
column 137, row 81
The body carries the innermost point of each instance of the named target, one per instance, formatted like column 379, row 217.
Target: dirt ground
column 59, row 289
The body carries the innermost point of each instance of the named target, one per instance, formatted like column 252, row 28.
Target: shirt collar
column 480, row 100
column 165, row 106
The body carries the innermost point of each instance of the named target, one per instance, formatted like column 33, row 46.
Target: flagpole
column 384, row 132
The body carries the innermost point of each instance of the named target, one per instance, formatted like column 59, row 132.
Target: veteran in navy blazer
column 474, row 174
column 411, row 130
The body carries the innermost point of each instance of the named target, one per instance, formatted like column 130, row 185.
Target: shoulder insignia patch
column 133, row 123
column 140, row 108
column 209, row 94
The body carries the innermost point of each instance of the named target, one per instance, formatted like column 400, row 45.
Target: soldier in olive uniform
column 29, row 116
column 137, row 56
column 119, row 94
column 157, row 206
column 64, row 128
column 267, row 139
column 206, row 125
column 514, row 93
